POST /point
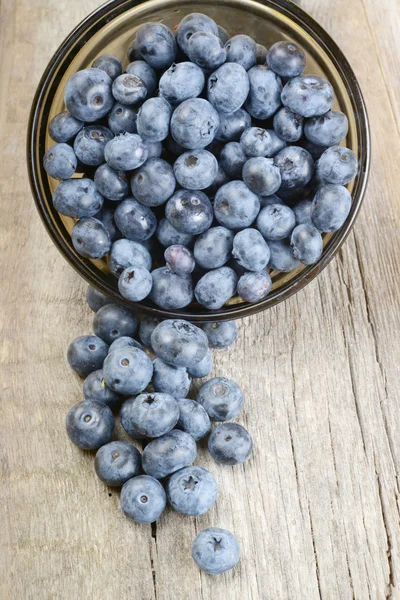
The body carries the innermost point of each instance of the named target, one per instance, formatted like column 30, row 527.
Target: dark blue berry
column 216, row 287
column 196, row 169
column 111, row 184
column 215, row 550
column 152, row 415
column 235, row 206
column 179, row 343
column 286, row 59
column 135, row 283
column 213, row 248
column 228, row 88
column 282, row 258
column 264, row 97
column 171, row 291
column 191, row 491
column 276, row 221
column 167, row 235
column 88, row 95
column 110, row 64
column 143, row 499
column 146, row 73
column 194, row 123
column 222, row 398
column 328, row 129
column 156, row 44
column 202, row 368
column 337, row 165
column 250, row 250
column 63, row 127
column 169, row 453
column 256, row 141
column 330, row 207
column 308, row 95
column 189, row 211
column 206, row 50
column 127, row 371
column 135, row 221
column 153, row 119
column 230, row 444
column 122, row 119
column 86, row 354
column 287, row 125
column 90, row 238
column 179, row 259
column 113, row 321
column 261, row 176
column 191, row 24
column 77, row 198
column 193, row 418
column 254, row 286
column 154, row 182
column 117, row 462
column 296, row 166
column 233, row 125
column 90, row 425
column 60, row 161
column 170, row 380
column 241, row 49
column 232, row 159
column 125, row 152
column 306, row 243
column 221, row 334
column 128, row 253
column 181, row 82
column 96, row 299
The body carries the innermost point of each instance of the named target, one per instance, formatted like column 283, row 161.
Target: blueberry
column 156, row 44
column 113, row 321
column 296, row 166
column 90, row 143
column 125, row 152
column 135, row 283
column 77, row 198
column 206, row 50
column 221, row 334
column 196, row 170
column 169, row 453
column 276, row 221
column 216, row 287
column 222, row 398
column 328, row 129
column 250, row 250
column 135, row 221
column 152, row 415
column 154, row 149
column 154, row 182
column 282, row 258
column 170, row 380
column 96, row 299
column 228, row 88
column 193, row 419
column 330, row 208
column 111, row 184
column 230, row 444
column 117, row 462
column 302, row 211
column 265, row 92
column 337, row 165
column 189, row 211
column 127, row 371
column 235, row 206
column 167, row 235
column 232, row 126
column 110, row 64
column 218, row 182
column 106, row 216
column 192, row 24
column 215, row 550
column 153, row 119
column 308, row 95
column 261, row 54
column 181, row 82
column 143, row 499
column 86, row 354
column 171, row 291
column 124, row 342
column 179, row 343
column 146, row 73
column 90, row 424
column 129, row 89
column 179, row 259
column 262, row 176
column 286, row 59
column 256, row 141
column 194, row 123
column 276, row 144
column 306, row 243
column 122, row 119
column 127, row 253
column 191, row 491
column 232, row 159
column 202, row 368
column 213, row 248
column 90, row 238
column 241, row 49
column 63, row 127
column 146, row 327
column 254, row 286
column 60, row 161
column 287, row 125
column 88, row 95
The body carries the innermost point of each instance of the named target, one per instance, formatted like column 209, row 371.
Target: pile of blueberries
column 151, row 397
column 212, row 151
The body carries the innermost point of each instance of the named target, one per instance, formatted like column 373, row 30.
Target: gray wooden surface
column 316, row 509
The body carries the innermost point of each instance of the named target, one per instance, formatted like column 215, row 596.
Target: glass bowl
column 110, row 29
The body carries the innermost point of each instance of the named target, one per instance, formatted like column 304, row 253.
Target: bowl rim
column 302, row 18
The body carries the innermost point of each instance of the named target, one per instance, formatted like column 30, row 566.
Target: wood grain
column 316, row 509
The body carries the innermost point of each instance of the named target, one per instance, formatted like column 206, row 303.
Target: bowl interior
column 110, row 30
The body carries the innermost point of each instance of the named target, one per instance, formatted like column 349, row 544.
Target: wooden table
column 316, row 509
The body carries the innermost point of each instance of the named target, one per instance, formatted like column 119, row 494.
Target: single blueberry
column 261, row 54
column 191, row 24
column 179, row 343
column 179, row 259
column 90, row 425
column 88, row 95
column 113, row 321
column 196, row 169
column 169, row 453
column 194, row 123
column 60, row 161
column 337, row 165
column 308, row 95
column 235, row 206
column 77, row 198
column 189, row 211
column 232, row 159
column 232, row 126
column 221, row 334
column 286, row 59
column 250, row 250
column 181, row 82
column 302, row 211
column 202, row 368
column 206, row 50
column 282, row 258
column 63, row 127
column 215, row 550
column 110, row 64
column 262, row 176
column 143, row 499
column 328, row 129
column 122, row 119
column 153, row 119
column 222, row 398
column 90, row 238
column 154, row 182
column 296, row 166
column 170, row 380
column 307, row 244
column 287, row 125
column 124, row 342
column 149, row 415
column 330, row 207
column 171, row 291
column 127, row 253
column 216, row 287
column 230, row 444
column 135, row 283
column 117, row 462
column 135, row 221
column 276, row 221
column 96, row 299
column 254, row 286
column 146, row 327
column 129, row 89
column 228, row 88
column 90, row 143
column 213, row 248
column 241, row 49
column 276, row 144
column 193, row 418
column 191, row 491
column 264, row 97
column 127, row 371
column 167, row 235
column 86, row 354
column 125, row 152
column 111, row 184
column 256, row 141
column 146, row 73
column 156, row 44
